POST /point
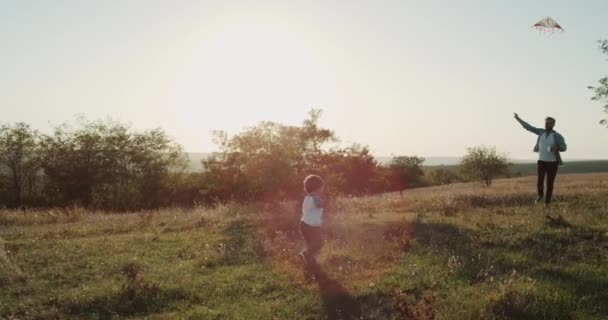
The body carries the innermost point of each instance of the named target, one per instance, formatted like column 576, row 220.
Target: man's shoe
column 538, row 200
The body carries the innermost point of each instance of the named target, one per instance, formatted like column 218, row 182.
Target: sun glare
column 247, row 73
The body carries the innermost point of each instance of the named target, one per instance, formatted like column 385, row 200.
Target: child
column 312, row 218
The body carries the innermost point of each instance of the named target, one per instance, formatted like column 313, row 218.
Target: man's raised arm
column 527, row 126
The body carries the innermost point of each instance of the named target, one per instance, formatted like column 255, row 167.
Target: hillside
column 451, row 252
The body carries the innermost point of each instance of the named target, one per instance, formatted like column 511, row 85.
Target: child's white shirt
column 312, row 210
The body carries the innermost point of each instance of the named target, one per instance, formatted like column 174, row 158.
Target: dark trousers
column 313, row 238
column 550, row 170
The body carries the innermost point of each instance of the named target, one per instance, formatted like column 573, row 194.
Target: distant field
column 529, row 169
column 525, row 168
column 452, row 252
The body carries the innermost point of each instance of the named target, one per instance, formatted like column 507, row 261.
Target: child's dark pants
column 314, row 240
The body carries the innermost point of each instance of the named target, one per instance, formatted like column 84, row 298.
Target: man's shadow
column 337, row 302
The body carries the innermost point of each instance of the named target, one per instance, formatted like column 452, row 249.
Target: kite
column 548, row 25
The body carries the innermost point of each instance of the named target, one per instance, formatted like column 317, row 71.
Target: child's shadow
column 337, row 302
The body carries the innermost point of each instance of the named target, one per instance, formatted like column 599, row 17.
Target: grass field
column 453, row 252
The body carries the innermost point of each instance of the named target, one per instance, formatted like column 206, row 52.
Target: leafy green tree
column 104, row 164
column 382, row 180
column 349, row 170
column 484, row 164
column 601, row 91
column 406, row 172
column 258, row 163
column 156, row 164
column 78, row 160
column 270, row 160
column 18, row 159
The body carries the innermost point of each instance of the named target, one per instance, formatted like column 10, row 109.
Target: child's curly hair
column 312, row 183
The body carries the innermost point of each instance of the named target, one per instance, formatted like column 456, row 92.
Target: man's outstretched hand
column 516, row 116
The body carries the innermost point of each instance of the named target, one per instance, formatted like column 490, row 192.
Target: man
column 548, row 145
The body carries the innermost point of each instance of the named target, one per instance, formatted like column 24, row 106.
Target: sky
column 427, row 78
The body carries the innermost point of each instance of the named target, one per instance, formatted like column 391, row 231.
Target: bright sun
column 249, row 72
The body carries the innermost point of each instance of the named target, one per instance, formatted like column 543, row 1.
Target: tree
column 601, row 91
column 156, row 164
column 18, row 159
column 79, row 160
column 104, row 164
column 259, row 163
column 270, row 160
column 406, row 171
column 266, row 161
column 312, row 138
column 349, row 170
column 484, row 164
column 442, row 176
